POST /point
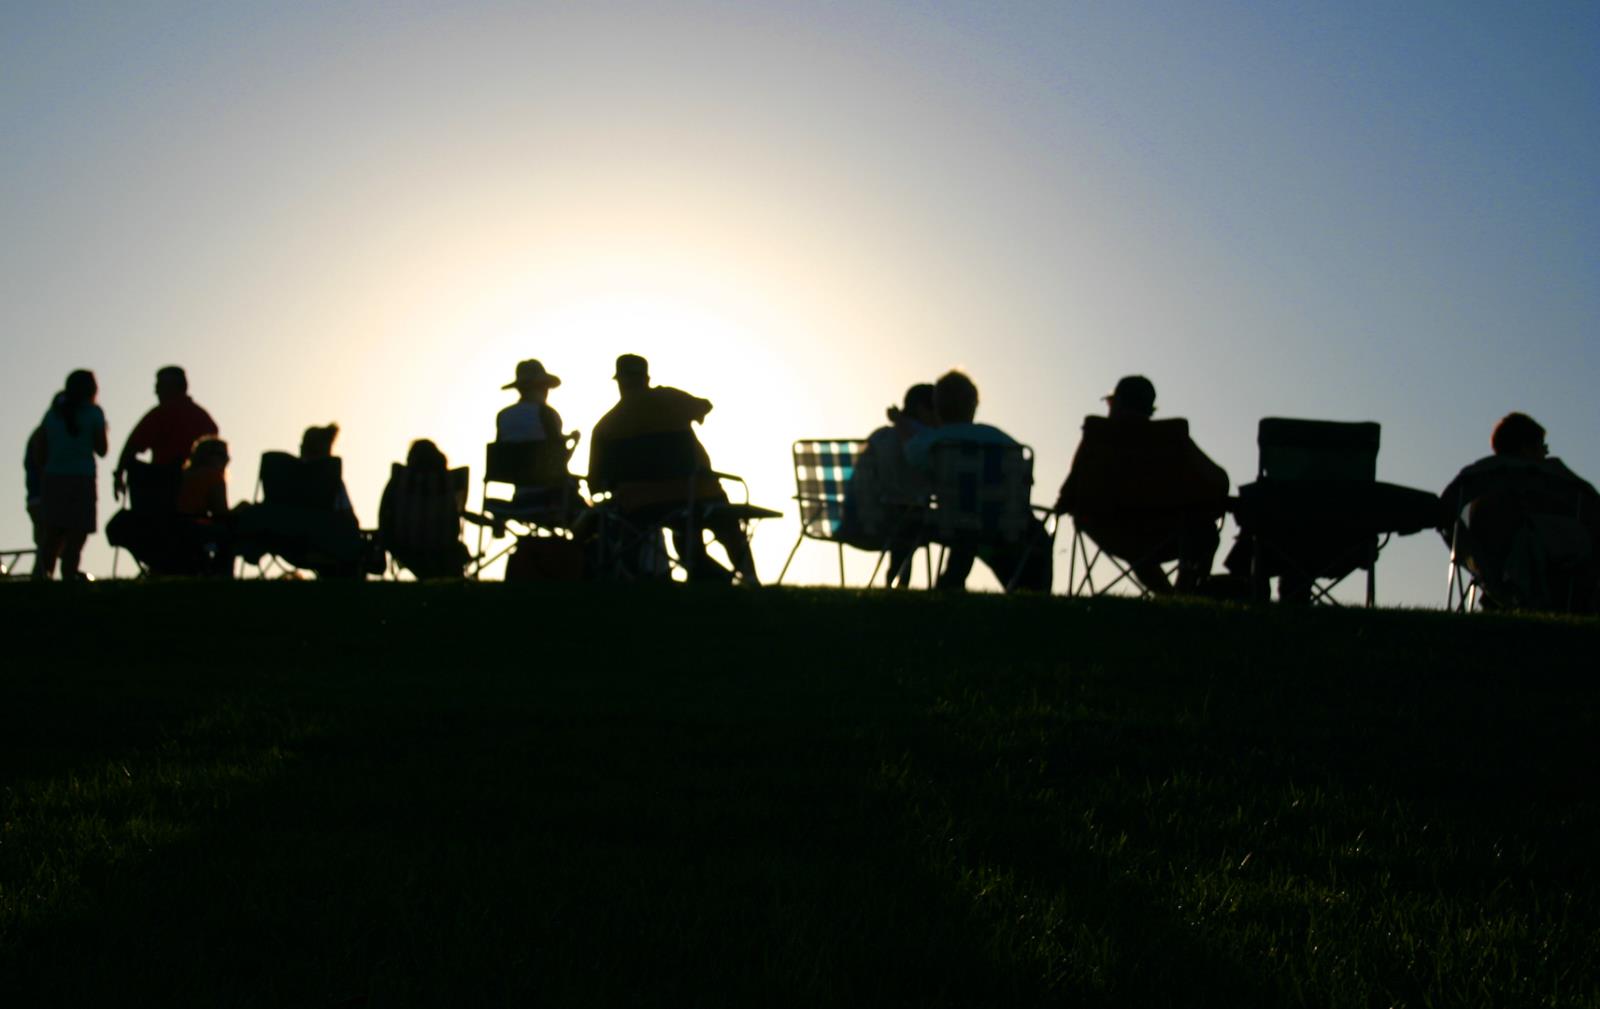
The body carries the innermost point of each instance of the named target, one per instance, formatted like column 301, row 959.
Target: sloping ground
column 310, row 795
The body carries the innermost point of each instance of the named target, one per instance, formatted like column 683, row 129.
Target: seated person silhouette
column 306, row 517
column 626, row 459
column 1529, row 524
column 168, row 431
column 1144, row 491
column 202, row 506
column 419, row 518
column 885, row 499
column 955, row 404
column 532, row 419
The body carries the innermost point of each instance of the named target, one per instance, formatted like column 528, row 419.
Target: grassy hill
column 314, row 795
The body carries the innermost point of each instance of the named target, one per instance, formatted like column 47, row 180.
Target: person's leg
column 731, row 535
column 71, row 553
column 958, row 560
column 48, row 543
column 1027, row 562
column 690, row 547
column 1197, row 550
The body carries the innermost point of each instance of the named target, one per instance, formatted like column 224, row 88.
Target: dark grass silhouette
column 303, row 794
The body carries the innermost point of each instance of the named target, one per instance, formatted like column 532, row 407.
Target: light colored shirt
column 919, row 450
column 519, row 422
column 67, row 454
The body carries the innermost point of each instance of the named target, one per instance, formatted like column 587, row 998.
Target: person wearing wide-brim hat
column 530, row 418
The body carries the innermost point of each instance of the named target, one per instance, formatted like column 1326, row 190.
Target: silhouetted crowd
column 1521, row 526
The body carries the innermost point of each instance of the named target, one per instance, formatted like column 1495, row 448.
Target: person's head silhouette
column 425, row 455
column 171, row 383
column 955, row 398
column 1134, row 398
column 632, row 374
column 532, row 381
column 1519, row 435
column 317, row 442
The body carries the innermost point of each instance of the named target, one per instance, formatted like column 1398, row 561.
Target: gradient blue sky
column 369, row 212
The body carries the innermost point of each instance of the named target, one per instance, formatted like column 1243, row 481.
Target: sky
column 368, row 213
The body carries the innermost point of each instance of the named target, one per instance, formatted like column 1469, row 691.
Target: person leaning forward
column 169, row 430
column 640, row 495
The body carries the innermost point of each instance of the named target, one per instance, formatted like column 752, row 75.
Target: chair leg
column 786, row 563
column 841, row 566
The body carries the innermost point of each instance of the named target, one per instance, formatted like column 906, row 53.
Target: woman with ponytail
column 74, row 433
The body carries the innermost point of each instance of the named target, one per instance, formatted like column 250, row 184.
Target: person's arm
column 217, row 498
column 138, row 441
column 101, row 441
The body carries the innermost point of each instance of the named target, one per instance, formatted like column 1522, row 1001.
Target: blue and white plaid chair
column 823, row 472
column 981, row 495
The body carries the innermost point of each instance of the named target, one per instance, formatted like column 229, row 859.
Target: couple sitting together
column 886, row 502
column 1141, row 488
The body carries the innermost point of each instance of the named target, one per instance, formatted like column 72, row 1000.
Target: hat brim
column 550, row 382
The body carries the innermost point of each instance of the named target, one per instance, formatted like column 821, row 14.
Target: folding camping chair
column 981, row 498
column 1306, row 514
column 296, row 524
column 419, row 521
column 10, row 558
column 1137, row 496
column 544, row 500
column 149, row 528
column 1518, row 540
column 824, row 471
column 664, row 461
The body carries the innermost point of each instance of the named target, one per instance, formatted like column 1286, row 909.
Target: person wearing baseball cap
column 1144, row 491
column 643, row 410
column 1134, row 398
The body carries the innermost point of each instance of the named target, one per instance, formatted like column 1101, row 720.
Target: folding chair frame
column 823, row 468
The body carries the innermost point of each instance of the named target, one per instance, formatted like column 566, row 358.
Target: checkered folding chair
column 981, row 495
column 823, row 471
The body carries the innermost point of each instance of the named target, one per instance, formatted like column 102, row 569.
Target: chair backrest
column 526, row 463
column 823, row 468
column 301, row 483
column 1137, row 465
column 1318, row 450
column 981, row 490
column 424, row 508
column 152, row 489
column 660, row 455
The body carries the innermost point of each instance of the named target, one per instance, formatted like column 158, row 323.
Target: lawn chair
column 825, row 471
column 296, row 522
column 1316, row 513
column 545, row 497
column 1518, row 540
column 981, row 499
column 1136, row 493
column 10, row 558
column 149, row 528
column 419, row 521
column 664, row 461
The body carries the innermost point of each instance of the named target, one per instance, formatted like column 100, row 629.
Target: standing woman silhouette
column 74, row 433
